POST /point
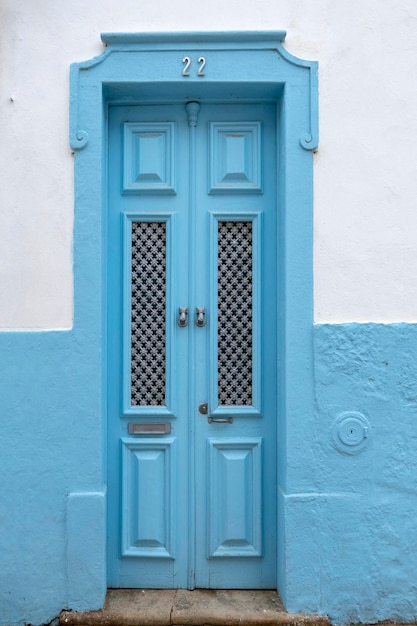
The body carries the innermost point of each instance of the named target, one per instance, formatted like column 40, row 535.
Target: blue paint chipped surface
column 350, row 520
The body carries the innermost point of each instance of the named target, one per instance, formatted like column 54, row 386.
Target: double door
column 192, row 346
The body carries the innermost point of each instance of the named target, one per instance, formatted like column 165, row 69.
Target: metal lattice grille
column 235, row 260
column 148, row 313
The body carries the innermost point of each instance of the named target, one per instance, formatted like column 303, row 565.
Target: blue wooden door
column 192, row 346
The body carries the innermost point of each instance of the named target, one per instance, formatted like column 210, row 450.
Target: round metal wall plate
column 350, row 432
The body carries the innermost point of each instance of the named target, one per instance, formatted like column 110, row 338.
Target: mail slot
column 152, row 428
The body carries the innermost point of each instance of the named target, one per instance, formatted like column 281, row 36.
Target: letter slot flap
column 150, row 428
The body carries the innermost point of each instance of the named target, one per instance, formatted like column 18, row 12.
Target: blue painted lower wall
column 52, row 541
column 351, row 534
column 348, row 511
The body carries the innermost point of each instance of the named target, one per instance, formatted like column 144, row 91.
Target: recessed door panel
column 147, row 498
column 235, row 497
column 148, row 157
column 192, row 346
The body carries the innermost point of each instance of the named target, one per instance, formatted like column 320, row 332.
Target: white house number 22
column 187, row 64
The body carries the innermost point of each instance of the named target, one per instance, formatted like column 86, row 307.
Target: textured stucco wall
column 365, row 170
column 50, row 453
column 349, row 518
column 366, row 534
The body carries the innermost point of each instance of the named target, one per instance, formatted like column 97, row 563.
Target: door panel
column 191, row 317
column 148, row 470
column 235, row 497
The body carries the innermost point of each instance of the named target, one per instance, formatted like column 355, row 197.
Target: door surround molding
column 238, row 66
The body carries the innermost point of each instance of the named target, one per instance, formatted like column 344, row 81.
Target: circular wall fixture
column 350, row 431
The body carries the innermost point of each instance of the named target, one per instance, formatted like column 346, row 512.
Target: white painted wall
column 365, row 169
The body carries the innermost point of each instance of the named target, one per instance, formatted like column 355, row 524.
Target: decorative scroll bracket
column 79, row 140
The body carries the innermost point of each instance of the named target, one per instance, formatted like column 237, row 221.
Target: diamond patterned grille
column 148, row 314
column 234, row 364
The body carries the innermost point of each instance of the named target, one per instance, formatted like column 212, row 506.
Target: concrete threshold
column 180, row 607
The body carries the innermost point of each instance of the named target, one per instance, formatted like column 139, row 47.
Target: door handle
column 203, row 409
column 200, row 316
column 220, row 420
column 182, row 316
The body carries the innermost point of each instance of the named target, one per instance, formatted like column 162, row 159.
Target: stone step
column 201, row 607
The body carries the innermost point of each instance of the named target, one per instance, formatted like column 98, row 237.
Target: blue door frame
column 140, row 68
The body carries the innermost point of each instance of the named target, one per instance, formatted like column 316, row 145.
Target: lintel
column 196, row 39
